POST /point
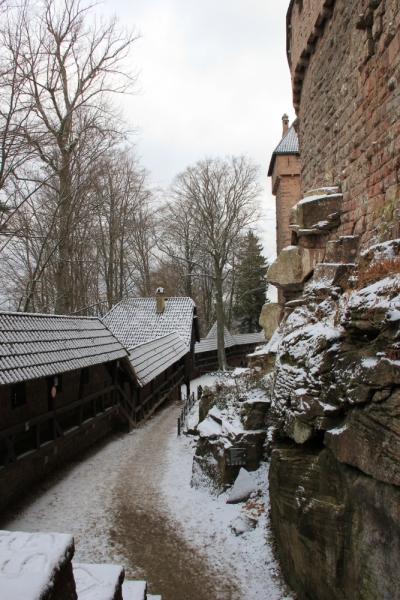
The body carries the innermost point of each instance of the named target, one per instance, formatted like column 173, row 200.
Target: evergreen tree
column 251, row 284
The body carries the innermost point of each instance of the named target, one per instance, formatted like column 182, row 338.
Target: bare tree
column 15, row 111
column 125, row 227
column 177, row 239
column 223, row 195
column 71, row 69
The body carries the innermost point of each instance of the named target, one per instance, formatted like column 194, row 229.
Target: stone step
column 98, row 582
column 134, row 590
column 36, row 565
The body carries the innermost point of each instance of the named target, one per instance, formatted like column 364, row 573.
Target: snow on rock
column 98, row 582
column 135, row 590
column 29, row 563
column 242, row 488
column 209, row 428
column 243, row 524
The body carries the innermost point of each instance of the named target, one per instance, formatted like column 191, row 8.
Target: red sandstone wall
column 348, row 101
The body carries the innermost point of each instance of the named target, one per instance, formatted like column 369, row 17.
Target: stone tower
column 284, row 169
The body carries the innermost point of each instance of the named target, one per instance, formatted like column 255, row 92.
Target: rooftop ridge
column 47, row 315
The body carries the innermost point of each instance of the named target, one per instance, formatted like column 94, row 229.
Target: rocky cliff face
column 334, row 435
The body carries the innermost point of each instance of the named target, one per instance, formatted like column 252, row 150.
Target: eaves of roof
column 289, row 144
column 152, row 358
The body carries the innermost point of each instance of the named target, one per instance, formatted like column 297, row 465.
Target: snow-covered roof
column 36, row 345
column 31, row 562
column 152, row 358
column 135, row 321
column 242, row 339
column 229, row 339
column 289, row 144
column 209, row 343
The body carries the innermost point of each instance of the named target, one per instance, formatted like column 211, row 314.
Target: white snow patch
column 28, row 562
column 97, row 582
column 338, row 430
column 242, row 488
column 135, row 590
column 369, row 363
column 209, row 428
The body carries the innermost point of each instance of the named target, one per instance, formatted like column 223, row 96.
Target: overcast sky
column 214, row 81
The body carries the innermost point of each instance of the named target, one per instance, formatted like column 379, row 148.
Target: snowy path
column 128, row 500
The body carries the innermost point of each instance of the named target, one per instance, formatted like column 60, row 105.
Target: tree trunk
column 219, row 306
column 63, row 279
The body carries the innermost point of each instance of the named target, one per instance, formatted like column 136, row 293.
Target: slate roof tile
column 289, row 144
column 135, row 321
column 209, row 343
column 34, row 345
column 152, row 358
column 242, row 339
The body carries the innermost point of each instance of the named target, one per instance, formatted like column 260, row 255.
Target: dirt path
column 128, row 500
column 144, row 530
column 109, row 500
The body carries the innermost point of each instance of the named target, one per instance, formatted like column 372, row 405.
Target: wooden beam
column 50, row 445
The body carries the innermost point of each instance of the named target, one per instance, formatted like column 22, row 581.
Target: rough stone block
column 316, row 213
column 293, row 267
column 343, row 250
column 36, row 565
column 328, row 275
column 243, row 487
column 271, row 315
column 337, row 530
column 99, row 581
column 370, row 439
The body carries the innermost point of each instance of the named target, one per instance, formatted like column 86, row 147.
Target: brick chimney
column 160, row 296
column 285, row 124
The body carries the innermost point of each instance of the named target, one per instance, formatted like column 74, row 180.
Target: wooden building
column 237, row 346
column 160, row 334
column 67, row 381
column 59, row 391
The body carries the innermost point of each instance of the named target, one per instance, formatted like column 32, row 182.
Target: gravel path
column 127, row 500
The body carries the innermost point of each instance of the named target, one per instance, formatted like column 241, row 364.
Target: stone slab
column 243, row 487
column 135, row 590
column 31, row 564
column 98, row 582
column 271, row 315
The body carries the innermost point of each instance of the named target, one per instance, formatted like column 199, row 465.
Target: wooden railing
column 159, row 394
column 46, row 430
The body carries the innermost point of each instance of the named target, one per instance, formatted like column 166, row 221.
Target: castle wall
column 346, row 92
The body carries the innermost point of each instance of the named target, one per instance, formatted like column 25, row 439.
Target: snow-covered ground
column 207, row 523
column 141, row 481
